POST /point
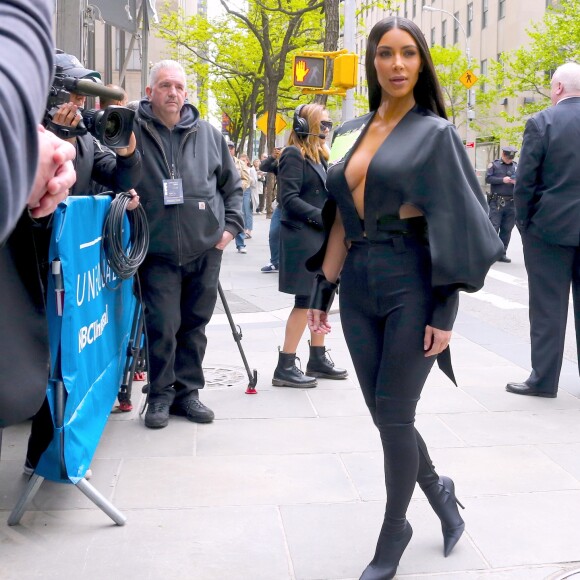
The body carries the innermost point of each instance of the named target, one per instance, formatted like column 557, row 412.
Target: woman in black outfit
column 409, row 231
column 301, row 186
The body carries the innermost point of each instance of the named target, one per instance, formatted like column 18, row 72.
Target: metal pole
column 349, row 43
column 144, row 50
column 467, row 54
column 69, row 27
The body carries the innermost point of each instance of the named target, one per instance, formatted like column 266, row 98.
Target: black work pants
column 179, row 302
column 385, row 304
column 503, row 218
column 551, row 270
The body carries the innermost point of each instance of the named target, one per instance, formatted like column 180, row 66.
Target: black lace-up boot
column 322, row 366
column 287, row 374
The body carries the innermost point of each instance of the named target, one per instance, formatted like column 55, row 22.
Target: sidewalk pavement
column 288, row 483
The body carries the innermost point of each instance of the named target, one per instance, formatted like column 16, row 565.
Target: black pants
column 551, row 269
column 503, row 218
column 179, row 302
column 385, row 304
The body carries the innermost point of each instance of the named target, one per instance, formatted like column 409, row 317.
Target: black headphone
column 300, row 124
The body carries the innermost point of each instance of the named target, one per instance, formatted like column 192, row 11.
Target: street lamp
column 467, row 53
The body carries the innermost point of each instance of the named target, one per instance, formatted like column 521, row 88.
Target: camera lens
column 113, row 126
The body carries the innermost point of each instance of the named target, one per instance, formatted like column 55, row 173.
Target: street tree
column 526, row 72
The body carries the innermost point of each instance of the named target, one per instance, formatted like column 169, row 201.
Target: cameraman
column 118, row 172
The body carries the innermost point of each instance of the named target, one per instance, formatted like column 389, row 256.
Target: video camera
column 111, row 126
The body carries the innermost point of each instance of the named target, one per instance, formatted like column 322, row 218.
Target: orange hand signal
column 301, row 70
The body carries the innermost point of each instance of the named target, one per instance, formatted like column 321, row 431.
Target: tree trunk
column 332, row 25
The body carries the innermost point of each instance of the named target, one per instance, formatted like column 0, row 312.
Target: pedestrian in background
column 501, row 175
column 261, row 175
column 402, row 193
column 547, row 199
column 301, row 185
column 244, row 174
column 247, row 202
column 269, row 164
column 192, row 197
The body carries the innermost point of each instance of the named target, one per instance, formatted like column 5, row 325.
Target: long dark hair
column 427, row 91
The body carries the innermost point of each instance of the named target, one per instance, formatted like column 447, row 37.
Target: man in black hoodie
column 192, row 195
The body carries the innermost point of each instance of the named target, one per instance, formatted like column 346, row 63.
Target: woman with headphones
column 301, row 183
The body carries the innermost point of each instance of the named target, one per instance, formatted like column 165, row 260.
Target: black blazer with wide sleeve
column 422, row 163
column 301, row 185
column 547, row 191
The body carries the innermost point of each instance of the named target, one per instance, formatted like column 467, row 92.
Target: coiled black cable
column 125, row 259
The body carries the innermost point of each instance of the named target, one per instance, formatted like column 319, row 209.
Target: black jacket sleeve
column 531, row 159
column 26, row 59
column 116, row 172
column 269, row 165
column 491, row 178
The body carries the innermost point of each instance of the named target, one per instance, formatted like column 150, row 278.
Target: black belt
column 390, row 227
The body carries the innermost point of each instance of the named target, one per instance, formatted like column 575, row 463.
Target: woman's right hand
column 318, row 321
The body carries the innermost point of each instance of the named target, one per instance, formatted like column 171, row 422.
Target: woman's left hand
column 435, row 340
column 317, row 321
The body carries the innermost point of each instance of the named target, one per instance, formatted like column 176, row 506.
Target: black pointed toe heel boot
column 390, row 548
column 441, row 496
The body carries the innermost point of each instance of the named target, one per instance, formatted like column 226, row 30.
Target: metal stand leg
column 134, row 351
column 83, row 485
column 27, row 495
column 237, row 334
column 101, row 502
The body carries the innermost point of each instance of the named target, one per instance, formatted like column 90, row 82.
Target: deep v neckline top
column 381, row 197
column 384, row 143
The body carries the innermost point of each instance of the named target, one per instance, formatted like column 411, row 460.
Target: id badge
column 172, row 191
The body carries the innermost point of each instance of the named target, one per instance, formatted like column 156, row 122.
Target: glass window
column 414, row 8
column 501, row 10
column 483, row 70
column 456, row 28
column 469, row 18
column 433, row 37
column 444, row 33
column 134, row 62
column 405, row 12
column 484, row 12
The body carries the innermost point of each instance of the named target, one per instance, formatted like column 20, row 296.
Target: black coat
column 301, row 184
column 547, row 191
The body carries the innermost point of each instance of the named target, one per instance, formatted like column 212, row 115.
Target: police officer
column 501, row 176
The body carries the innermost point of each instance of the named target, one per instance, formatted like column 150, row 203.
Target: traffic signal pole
column 349, row 44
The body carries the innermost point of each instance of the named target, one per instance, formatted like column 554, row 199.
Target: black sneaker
column 28, row 468
column 505, row 259
column 157, row 415
column 269, row 269
column 194, row 410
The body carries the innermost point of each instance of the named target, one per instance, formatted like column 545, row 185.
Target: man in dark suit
column 547, row 200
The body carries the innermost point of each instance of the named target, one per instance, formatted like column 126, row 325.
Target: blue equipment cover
column 90, row 337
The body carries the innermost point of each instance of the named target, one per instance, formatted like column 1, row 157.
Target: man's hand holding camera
column 69, row 115
column 55, row 174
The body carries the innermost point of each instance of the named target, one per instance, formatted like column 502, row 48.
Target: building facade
column 107, row 36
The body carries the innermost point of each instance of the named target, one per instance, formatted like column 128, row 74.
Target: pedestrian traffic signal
column 309, row 72
column 345, row 71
